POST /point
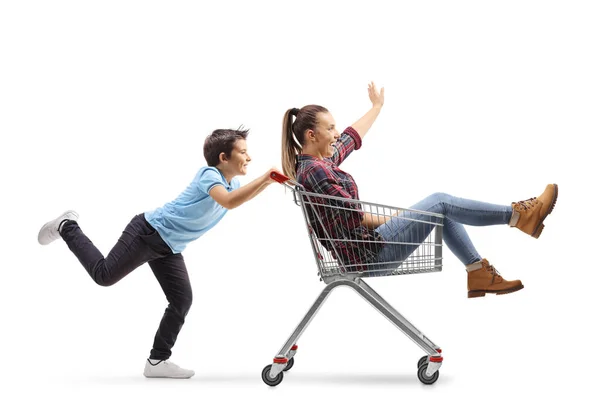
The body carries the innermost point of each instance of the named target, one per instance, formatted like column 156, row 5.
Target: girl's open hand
column 376, row 97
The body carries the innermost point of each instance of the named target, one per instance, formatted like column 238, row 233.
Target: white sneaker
column 49, row 232
column 166, row 369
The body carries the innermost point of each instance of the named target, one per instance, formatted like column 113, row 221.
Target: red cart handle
column 276, row 176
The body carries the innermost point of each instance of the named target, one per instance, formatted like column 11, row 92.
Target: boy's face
column 238, row 162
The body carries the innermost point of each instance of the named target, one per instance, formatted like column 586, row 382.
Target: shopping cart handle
column 276, row 176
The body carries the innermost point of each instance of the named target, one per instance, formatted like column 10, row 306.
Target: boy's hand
column 267, row 175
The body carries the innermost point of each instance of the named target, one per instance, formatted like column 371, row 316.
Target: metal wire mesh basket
column 344, row 244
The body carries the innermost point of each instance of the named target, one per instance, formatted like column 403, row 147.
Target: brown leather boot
column 529, row 215
column 483, row 278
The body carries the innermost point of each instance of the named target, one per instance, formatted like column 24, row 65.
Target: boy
column 158, row 237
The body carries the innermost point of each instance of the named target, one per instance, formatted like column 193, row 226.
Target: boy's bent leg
column 130, row 252
column 172, row 275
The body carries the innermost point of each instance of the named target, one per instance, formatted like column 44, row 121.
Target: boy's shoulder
column 207, row 168
column 208, row 176
column 207, row 172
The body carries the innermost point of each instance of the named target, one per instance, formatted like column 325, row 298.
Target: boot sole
column 540, row 227
column 482, row 293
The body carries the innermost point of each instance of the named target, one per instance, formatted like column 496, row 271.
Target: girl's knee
column 440, row 197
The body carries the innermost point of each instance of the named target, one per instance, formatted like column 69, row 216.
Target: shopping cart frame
column 427, row 366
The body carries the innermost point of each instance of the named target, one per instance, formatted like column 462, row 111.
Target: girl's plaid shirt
column 341, row 220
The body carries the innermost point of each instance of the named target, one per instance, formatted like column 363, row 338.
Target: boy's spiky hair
column 222, row 141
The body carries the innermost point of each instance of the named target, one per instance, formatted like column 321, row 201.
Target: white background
column 104, row 107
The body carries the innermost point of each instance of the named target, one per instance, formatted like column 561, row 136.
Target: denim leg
column 138, row 244
column 458, row 241
column 465, row 211
column 457, row 211
column 172, row 275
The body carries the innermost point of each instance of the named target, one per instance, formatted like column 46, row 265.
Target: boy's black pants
column 139, row 243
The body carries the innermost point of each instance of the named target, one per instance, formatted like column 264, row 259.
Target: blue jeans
column 457, row 212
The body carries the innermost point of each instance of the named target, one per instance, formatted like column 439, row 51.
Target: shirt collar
column 227, row 184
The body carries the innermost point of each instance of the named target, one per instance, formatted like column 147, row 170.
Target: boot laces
column 527, row 204
column 495, row 273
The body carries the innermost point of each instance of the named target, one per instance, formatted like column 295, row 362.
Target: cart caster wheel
column 267, row 379
column 422, row 360
column 289, row 365
column 428, row 380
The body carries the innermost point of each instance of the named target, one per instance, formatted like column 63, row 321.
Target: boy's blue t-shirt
column 193, row 212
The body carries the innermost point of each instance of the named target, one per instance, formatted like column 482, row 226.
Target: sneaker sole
column 482, row 293
column 538, row 229
column 41, row 237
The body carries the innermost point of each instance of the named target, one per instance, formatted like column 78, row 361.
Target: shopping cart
column 345, row 252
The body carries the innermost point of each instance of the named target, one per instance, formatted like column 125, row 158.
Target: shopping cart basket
column 346, row 251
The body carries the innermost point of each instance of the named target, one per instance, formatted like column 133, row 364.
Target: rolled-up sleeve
column 349, row 141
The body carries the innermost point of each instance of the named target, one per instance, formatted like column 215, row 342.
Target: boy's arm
column 235, row 198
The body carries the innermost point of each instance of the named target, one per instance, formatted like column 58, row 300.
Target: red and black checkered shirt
column 339, row 230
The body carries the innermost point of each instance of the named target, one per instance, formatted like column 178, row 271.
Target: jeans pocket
column 156, row 243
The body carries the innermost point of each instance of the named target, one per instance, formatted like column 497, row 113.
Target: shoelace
column 494, row 271
column 526, row 204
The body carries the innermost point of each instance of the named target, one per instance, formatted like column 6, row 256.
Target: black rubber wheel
column 428, row 380
column 267, row 379
column 289, row 365
column 422, row 360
